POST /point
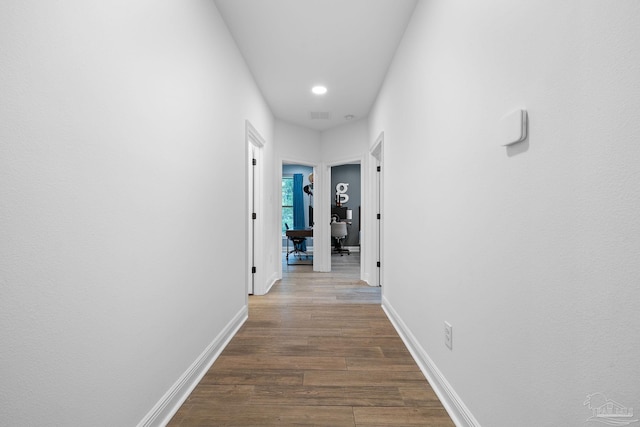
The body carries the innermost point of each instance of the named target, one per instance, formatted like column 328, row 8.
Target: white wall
column 531, row 253
column 296, row 144
column 299, row 145
column 121, row 152
column 345, row 143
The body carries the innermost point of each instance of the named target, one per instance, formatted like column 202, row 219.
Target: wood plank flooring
column 316, row 351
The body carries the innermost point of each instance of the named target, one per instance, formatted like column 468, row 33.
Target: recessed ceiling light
column 319, row 90
column 349, row 117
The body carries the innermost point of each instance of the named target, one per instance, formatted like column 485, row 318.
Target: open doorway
column 346, row 215
column 297, row 216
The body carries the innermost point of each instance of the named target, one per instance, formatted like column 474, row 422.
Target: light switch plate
column 513, row 127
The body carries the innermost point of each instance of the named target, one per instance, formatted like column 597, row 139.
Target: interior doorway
column 346, row 207
column 297, row 231
column 343, row 192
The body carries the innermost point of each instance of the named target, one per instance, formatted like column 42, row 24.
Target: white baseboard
column 458, row 411
column 169, row 404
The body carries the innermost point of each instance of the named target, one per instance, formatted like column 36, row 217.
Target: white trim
column 458, row 411
column 169, row 404
column 253, row 135
column 376, row 147
column 317, row 205
column 253, row 140
column 355, row 160
column 374, row 228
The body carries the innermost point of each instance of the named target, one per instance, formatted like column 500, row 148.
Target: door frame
column 254, row 232
column 377, row 206
column 328, row 197
column 317, row 245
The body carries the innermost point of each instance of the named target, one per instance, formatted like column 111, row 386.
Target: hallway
column 316, row 350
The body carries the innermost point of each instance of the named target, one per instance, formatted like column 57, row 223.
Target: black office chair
column 297, row 245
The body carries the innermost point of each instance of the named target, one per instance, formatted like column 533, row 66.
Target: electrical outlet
column 448, row 335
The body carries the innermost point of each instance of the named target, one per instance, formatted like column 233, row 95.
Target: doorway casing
column 374, row 264
column 254, row 268
column 317, row 244
column 328, row 197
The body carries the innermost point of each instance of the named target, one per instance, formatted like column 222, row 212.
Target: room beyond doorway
column 297, row 214
column 345, row 210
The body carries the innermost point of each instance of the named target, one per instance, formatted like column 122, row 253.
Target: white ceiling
column 292, row 45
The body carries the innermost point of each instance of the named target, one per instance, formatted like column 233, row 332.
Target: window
column 287, row 203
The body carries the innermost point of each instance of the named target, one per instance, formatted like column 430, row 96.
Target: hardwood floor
column 317, row 350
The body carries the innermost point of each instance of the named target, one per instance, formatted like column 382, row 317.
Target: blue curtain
column 298, row 206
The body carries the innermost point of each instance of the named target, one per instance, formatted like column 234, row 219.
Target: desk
column 297, row 234
column 307, row 232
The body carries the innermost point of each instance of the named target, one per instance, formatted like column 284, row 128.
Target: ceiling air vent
column 320, row 115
